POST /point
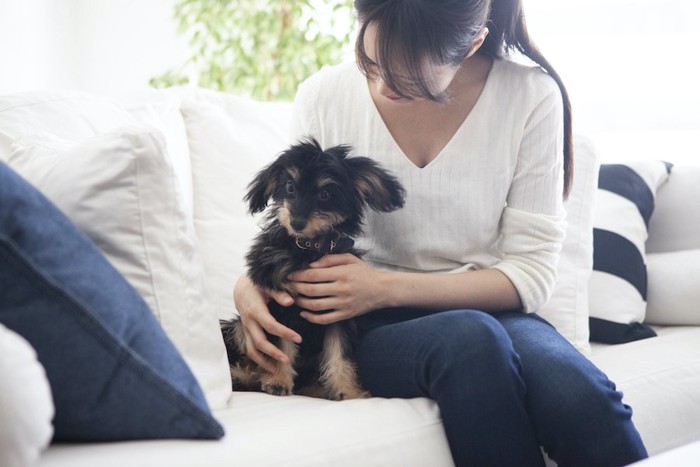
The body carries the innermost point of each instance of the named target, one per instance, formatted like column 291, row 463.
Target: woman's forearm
column 487, row 290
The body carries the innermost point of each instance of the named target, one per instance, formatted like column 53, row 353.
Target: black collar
column 325, row 244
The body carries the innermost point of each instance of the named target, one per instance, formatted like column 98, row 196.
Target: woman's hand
column 251, row 303
column 342, row 283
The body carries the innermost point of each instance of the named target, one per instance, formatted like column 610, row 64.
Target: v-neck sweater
column 492, row 197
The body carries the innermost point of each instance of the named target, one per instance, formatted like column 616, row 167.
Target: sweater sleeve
column 532, row 226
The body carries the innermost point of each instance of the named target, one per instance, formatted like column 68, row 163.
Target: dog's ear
column 263, row 186
column 375, row 186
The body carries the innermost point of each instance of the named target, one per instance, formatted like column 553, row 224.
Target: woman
column 446, row 295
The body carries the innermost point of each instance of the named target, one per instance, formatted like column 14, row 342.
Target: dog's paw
column 277, row 389
column 348, row 394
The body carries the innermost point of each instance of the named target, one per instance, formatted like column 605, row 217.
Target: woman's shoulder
column 525, row 78
column 326, row 98
column 331, row 81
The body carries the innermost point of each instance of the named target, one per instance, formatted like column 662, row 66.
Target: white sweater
column 492, row 198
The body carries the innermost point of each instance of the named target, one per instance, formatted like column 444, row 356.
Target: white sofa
column 214, row 144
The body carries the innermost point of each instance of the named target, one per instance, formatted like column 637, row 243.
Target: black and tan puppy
column 318, row 202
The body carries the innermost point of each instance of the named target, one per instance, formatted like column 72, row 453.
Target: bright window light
column 630, row 68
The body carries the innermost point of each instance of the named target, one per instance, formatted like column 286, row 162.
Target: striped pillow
column 618, row 284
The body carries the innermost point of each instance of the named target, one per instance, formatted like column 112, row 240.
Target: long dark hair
column 443, row 32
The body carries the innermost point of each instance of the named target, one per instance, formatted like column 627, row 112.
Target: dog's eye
column 289, row 186
column 324, row 195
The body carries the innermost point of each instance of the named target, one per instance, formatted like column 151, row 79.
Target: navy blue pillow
column 113, row 372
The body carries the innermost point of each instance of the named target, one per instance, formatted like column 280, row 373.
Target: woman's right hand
column 251, row 303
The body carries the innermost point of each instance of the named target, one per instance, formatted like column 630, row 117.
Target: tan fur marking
column 370, row 184
column 316, row 225
column 337, row 373
column 281, row 383
column 324, row 182
column 294, row 174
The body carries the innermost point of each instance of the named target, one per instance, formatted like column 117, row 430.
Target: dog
column 319, row 198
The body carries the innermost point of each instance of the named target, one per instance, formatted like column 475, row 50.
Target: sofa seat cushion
column 265, row 430
column 660, row 378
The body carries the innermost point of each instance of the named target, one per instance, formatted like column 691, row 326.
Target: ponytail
column 508, row 31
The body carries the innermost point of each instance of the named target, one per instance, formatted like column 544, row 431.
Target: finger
column 313, row 275
column 272, row 326
column 281, row 297
column 318, row 304
column 329, row 261
column 262, row 344
column 312, row 289
column 259, row 358
column 325, row 318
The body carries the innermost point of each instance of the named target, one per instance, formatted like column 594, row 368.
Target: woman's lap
column 505, row 384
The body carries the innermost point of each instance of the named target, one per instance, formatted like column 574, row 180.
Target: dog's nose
column 298, row 224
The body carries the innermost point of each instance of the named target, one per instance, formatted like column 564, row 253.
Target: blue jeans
column 506, row 384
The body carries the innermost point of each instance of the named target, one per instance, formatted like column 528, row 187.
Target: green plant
column 259, row 48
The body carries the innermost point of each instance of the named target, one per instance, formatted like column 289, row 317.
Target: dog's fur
column 318, row 202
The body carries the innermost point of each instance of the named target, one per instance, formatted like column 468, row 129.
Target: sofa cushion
column 567, row 309
column 160, row 110
column 618, row 284
column 113, row 372
column 674, row 288
column 231, row 139
column 659, row 378
column 120, row 189
column 72, row 116
column 293, row 431
column 675, row 225
column 26, row 406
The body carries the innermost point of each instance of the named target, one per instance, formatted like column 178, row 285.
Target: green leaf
column 259, row 48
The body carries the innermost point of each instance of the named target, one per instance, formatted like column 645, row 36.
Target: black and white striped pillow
column 618, row 284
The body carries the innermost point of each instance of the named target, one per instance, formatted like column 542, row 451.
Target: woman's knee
column 467, row 339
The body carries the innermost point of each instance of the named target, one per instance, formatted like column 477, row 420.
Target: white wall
column 631, row 69
column 103, row 46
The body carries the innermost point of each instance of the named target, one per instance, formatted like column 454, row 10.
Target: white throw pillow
column 120, row 189
column 72, row 116
column 618, row 285
column 26, row 405
column 673, row 294
column 567, row 309
column 161, row 110
column 230, row 139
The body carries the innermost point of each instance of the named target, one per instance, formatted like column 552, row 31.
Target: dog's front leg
column 281, row 382
column 338, row 372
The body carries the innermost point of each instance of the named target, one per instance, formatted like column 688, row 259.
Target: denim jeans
column 505, row 384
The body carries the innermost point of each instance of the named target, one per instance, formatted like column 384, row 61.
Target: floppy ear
column 375, row 186
column 262, row 187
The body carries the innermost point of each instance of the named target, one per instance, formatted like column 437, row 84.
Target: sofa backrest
column 675, row 223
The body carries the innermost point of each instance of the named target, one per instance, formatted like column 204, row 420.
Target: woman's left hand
column 342, row 283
